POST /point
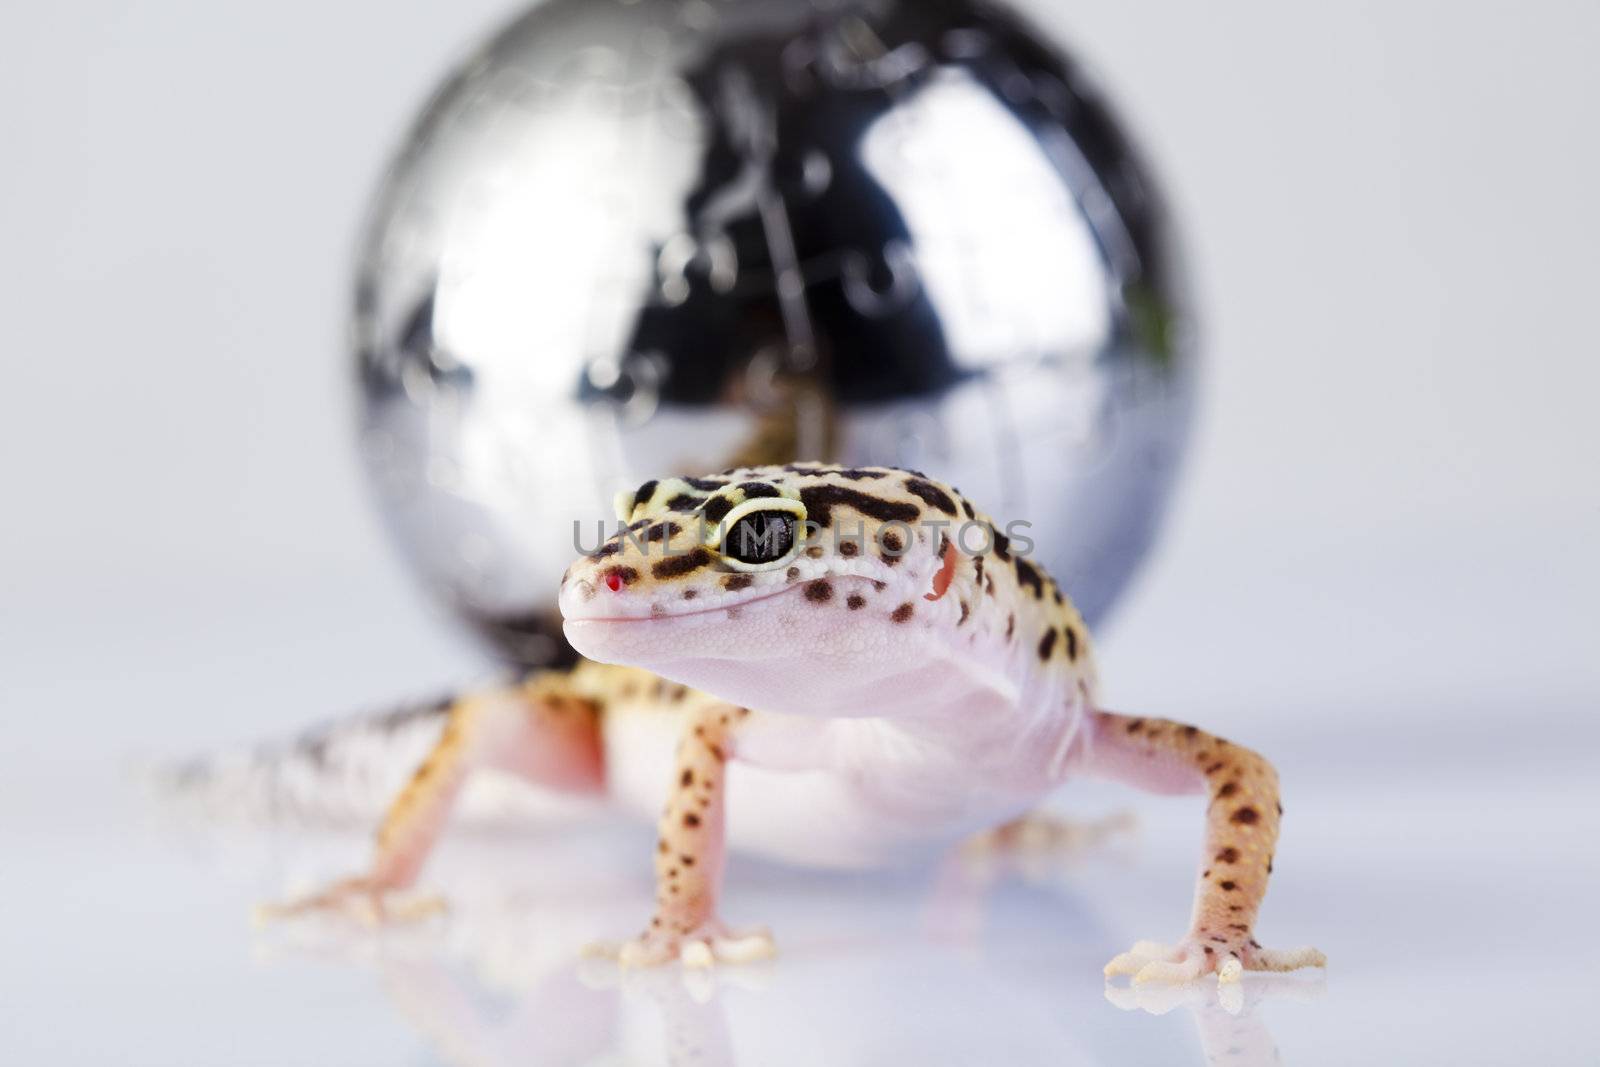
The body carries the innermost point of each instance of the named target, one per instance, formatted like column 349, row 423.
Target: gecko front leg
column 1241, row 834
column 690, row 856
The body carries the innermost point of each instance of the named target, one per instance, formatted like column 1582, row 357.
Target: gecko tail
column 340, row 774
column 343, row 775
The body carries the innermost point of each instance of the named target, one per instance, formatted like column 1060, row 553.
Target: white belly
column 829, row 792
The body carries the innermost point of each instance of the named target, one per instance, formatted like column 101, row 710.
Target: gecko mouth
column 669, row 616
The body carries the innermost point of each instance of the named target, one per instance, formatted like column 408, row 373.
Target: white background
column 1381, row 565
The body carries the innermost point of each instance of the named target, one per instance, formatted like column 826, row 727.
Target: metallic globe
column 637, row 237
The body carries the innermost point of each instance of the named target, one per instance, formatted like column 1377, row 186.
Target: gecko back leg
column 544, row 729
column 1241, row 835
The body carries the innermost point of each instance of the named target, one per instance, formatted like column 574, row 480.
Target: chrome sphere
column 638, row 237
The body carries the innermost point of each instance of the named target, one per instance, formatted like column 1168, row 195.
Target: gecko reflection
column 1227, row 1015
column 864, row 979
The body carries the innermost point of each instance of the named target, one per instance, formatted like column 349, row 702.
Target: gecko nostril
column 614, row 582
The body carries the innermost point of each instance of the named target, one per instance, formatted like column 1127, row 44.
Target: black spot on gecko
column 627, row 575
column 688, row 563
column 691, row 820
column 903, row 613
column 848, row 548
column 1228, row 790
column 661, row 531
column 610, row 548
column 1002, row 545
column 1135, row 726
column 966, row 506
column 687, row 778
column 684, row 502
column 706, row 485
column 1228, row 886
column 645, row 492
column 1047, row 643
column 690, row 594
column 1246, row 816
column 965, row 611
column 854, row 474
column 819, row 591
column 931, row 494
column 820, row 500
column 752, row 490
column 855, row 601
column 1028, row 575
column 1228, row 855
column 717, row 508
column 735, row 582
column 1072, row 643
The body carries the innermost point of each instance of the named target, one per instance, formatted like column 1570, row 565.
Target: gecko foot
column 363, row 899
column 1045, row 833
column 1150, row 961
column 709, row 943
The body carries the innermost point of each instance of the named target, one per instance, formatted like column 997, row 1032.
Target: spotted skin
column 544, row 729
column 1242, row 818
column 689, row 852
column 928, row 678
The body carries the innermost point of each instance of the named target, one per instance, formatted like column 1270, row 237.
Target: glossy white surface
column 1443, row 857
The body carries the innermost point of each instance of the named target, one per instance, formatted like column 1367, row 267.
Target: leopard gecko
column 870, row 666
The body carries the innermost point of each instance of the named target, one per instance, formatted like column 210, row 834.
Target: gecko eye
column 762, row 537
column 762, row 533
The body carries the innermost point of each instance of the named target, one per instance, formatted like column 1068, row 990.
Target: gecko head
column 771, row 586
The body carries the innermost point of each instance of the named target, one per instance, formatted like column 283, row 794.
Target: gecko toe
column 1174, row 971
column 748, row 947
column 1293, row 959
column 1137, row 957
column 697, row 953
column 363, row 900
column 698, row 948
column 1149, row 962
